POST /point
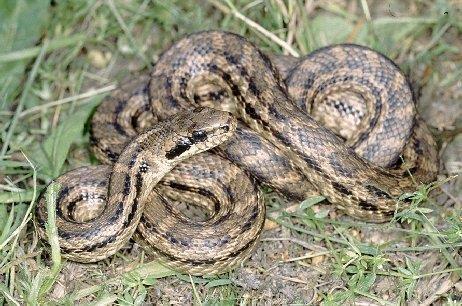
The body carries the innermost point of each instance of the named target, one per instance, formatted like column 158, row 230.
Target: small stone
column 355, row 233
column 317, row 260
column 270, row 225
column 458, row 286
column 99, row 59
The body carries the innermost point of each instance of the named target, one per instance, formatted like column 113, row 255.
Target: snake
column 216, row 119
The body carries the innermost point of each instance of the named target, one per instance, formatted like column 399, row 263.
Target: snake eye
column 225, row 128
column 199, row 135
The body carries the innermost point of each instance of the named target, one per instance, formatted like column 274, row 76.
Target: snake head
column 209, row 126
column 200, row 130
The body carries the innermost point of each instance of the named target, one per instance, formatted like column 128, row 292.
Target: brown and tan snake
column 289, row 112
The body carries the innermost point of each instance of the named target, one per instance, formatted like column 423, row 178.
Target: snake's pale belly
column 362, row 123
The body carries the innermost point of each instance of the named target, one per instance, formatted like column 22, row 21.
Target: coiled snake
column 353, row 91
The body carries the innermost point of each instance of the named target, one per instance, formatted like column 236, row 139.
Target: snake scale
column 339, row 121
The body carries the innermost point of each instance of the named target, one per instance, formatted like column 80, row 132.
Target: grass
column 57, row 61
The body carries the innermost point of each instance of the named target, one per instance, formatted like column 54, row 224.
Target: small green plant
column 410, row 275
column 135, row 288
column 358, row 270
column 221, row 296
column 311, row 218
column 453, row 233
column 415, row 212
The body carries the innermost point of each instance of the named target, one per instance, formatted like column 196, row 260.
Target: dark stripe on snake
column 418, row 147
column 201, row 191
column 228, row 79
column 167, row 84
column 281, row 137
column 91, row 248
column 412, row 170
column 67, row 235
column 248, row 224
column 183, row 145
column 172, row 102
column 127, row 185
column 201, row 262
column 251, row 112
column 338, row 168
column 40, row 220
column 367, row 206
column 340, row 188
column 231, row 58
column 313, row 165
column 378, row 192
column 269, row 64
column 134, row 208
column 119, row 109
column 275, row 113
column 133, row 160
column 63, row 193
column 183, row 85
column 118, row 213
column 169, row 237
column 113, row 156
column 253, row 88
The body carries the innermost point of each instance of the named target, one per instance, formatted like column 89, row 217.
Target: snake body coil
column 353, row 91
